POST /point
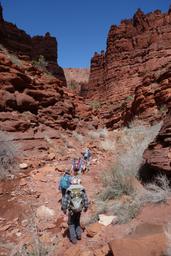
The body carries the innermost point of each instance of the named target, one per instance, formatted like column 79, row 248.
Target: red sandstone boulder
column 148, row 245
column 158, row 154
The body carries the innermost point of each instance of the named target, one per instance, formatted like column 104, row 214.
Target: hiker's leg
column 63, row 194
column 88, row 165
column 71, row 225
column 77, row 223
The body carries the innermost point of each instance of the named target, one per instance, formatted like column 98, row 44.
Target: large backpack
column 65, row 182
column 87, row 154
column 76, row 198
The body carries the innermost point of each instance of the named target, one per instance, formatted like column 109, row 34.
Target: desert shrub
column 129, row 98
column 163, row 109
column 115, row 184
column 78, row 137
column 107, row 145
column 72, row 85
column 133, row 141
column 156, row 192
column 8, row 155
column 126, row 211
column 99, row 133
column 13, row 58
column 95, row 104
column 130, row 144
column 40, row 64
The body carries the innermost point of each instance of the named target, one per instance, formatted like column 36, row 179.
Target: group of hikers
column 74, row 198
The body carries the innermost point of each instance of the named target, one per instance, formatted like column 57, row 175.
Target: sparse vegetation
column 72, row 85
column 116, row 184
column 40, row 64
column 156, row 192
column 163, row 109
column 128, row 145
column 126, row 211
column 36, row 247
column 13, row 58
column 107, row 145
column 95, row 104
column 8, row 155
column 78, row 137
column 130, row 98
column 100, row 133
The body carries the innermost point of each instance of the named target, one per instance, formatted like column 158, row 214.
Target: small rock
column 23, row 182
column 43, row 180
column 51, row 156
column 18, row 234
column 107, row 220
column 45, row 213
column 93, row 229
column 23, row 166
column 24, row 223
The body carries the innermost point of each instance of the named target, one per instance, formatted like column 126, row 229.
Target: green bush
column 40, row 64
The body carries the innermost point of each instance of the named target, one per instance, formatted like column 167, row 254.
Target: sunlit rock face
column 132, row 77
column 20, row 43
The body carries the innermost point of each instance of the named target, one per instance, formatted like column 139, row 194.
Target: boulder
column 94, row 229
column 45, row 213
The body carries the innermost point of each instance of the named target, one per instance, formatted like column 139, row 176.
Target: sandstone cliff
column 132, row 77
column 158, row 155
column 26, row 47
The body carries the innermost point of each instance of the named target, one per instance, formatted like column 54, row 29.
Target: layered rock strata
column 26, row 47
column 132, row 77
column 158, row 154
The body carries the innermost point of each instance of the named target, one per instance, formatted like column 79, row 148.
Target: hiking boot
column 79, row 237
column 73, row 241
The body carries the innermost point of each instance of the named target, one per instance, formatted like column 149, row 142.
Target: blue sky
column 80, row 26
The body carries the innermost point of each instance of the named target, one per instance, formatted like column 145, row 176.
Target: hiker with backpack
column 75, row 201
column 87, row 157
column 64, row 183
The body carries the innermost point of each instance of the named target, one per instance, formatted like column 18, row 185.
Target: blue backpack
column 65, row 182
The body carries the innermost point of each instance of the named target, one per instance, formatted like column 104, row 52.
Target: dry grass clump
column 126, row 211
column 108, row 145
column 122, row 178
column 8, row 155
column 115, row 184
column 13, row 58
column 40, row 64
column 78, row 137
column 131, row 145
column 156, row 192
column 100, row 133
